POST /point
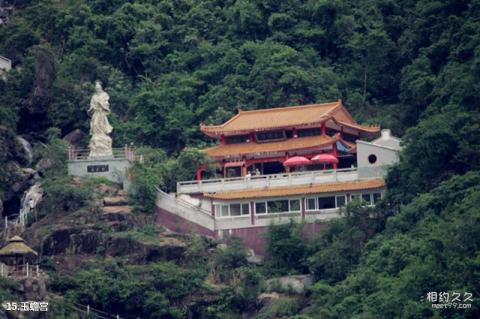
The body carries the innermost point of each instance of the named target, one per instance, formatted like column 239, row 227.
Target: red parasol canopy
column 325, row 159
column 297, row 161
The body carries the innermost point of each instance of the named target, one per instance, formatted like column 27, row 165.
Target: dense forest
column 168, row 65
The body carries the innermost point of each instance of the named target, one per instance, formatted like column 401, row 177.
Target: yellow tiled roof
column 280, row 117
column 299, row 190
column 280, row 146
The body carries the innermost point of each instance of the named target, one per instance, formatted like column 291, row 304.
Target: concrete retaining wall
column 253, row 237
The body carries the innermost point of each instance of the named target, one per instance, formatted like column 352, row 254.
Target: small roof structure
column 16, row 246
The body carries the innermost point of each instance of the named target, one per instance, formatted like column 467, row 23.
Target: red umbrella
column 325, row 159
column 297, row 161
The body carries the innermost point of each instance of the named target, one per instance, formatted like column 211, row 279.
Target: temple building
column 300, row 162
column 264, row 139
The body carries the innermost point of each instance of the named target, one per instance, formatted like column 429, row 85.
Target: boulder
column 34, row 288
column 74, row 137
column 59, row 241
column 117, row 210
column 29, row 172
column 253, row 258
column 43, row 165
column 115, row 201
column 266, row 299
column 106, row 189
column 297, row 284
column 140, row 252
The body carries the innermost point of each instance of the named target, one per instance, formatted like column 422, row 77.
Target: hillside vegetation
column 412, row 66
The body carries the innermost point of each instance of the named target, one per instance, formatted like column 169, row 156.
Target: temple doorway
column 273, row 168
column 233, row 172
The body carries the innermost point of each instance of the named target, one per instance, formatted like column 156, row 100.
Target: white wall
column 203, row 203
column 384, row 155
column 386, row 139
column 385, row 149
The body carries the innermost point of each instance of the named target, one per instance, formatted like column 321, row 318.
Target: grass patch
column 148, row 235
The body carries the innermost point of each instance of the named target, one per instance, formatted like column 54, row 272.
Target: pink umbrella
column 325, row 159
column 297, row 161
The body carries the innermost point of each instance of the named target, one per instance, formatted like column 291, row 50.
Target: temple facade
column 304, row 163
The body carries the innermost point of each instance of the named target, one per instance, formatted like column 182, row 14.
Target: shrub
column 286, row 249
column 282, row 308
column 61, row 194
column 228, row 259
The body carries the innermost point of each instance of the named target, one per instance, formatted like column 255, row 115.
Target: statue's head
column 98, row 86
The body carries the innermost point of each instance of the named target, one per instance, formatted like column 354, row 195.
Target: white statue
column 100, row 143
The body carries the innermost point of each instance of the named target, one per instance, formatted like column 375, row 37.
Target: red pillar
column 324, row 129
column 295, row 132
column 287, row 168
column 252, row 213
column 335, row 153
column 302, row 205
column 199, row 173
column 222, row 139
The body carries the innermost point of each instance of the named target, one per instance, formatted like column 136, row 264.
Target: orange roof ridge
column 309, row 142
column 276, row 109
column 300, row 190
column 368, row 128
column 273, row 118
column 288, row 108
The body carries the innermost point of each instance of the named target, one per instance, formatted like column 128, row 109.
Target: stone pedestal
column 113, row 169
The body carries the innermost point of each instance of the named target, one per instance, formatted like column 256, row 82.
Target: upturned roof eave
column 332, row 140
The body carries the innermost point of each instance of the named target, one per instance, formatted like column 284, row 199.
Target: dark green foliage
column 339, row 248
column 62, row 195
column 432, row 245
column 150, row 291
column 287, row 250
column 228, row 260
column 240, row 296
column 169, row 67
column 157, row 170
column 286, row 307
column 8, row 289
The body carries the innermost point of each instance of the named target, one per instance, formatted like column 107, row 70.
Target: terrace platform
column 278, row 180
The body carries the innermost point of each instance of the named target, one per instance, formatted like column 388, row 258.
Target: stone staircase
column 117, row 204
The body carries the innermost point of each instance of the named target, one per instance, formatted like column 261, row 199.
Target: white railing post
column 6, row 222
column 26, row 270
column 88, row 309
column 38, row 271
column 1, row 269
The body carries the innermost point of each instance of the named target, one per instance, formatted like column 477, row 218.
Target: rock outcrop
column 111, row 231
